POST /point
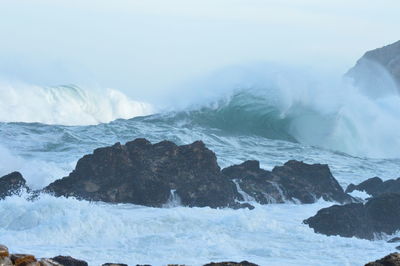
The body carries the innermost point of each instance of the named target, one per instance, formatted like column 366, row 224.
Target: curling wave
column 330, row 114
column 66, row 105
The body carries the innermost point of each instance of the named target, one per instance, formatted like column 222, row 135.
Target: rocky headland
column 377, row 68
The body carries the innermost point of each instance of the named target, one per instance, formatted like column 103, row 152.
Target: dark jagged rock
column 69, row 261
column 394, row 240
column 229, row 263
column 143, row 173
column 372, row 68
column 296, row 181
column 390, row 260
column 375, row 186
column 378, row 215
column 11, row 184
column 157, row 174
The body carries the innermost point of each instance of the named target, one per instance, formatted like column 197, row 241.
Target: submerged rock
column 378, row 215
column 11, row 184
column 394, row 240
column 243, row 263
column 69, row 261
column 143, row 173
column 390, row 260
column 375, row 186
column 294, row 181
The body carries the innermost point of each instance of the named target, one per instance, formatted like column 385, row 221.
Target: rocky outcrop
column 149, row 174
column 295, row 181
column 372, row 69
column 375, row 186
column 378, row 215
column 11, row 184
column 390, row 260
column 69, row 261
column 230, row 263
column 155, row 174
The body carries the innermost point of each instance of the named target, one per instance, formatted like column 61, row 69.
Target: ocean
column 45, row 130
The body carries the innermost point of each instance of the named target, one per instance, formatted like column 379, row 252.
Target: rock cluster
column 155, row 174
column 7, row 259
column 152, row 174
column 295, row 181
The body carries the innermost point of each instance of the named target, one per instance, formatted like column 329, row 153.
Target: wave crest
column 330, row 114
column 66, row 105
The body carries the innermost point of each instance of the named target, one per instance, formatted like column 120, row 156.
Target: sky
column 148, row 48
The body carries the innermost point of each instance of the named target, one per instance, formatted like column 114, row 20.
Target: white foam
column 268, row 235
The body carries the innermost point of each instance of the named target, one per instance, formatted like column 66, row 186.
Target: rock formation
column 11, row 184
column 69, row 261
column 230, row 263
column 146, row 174
column 390, row 260
column 294, row 181
column 378, row 215
column 375, row 68
column 375, row 186
column 154, row 174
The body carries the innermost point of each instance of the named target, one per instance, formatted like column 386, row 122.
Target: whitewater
column 274, row 116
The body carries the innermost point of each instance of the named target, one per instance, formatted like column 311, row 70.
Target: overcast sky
column 144, row 47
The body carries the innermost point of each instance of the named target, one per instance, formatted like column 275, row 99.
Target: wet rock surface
column 243, row 263
column 376, row 186
column 295, row 181
column 390, row 260
column 378, row 215
column 69, row 261
column 154, row 174
column 146, row 174
column 11, row 184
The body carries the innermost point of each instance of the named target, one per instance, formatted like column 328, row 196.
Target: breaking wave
column 327, row 113
column 66, row 105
